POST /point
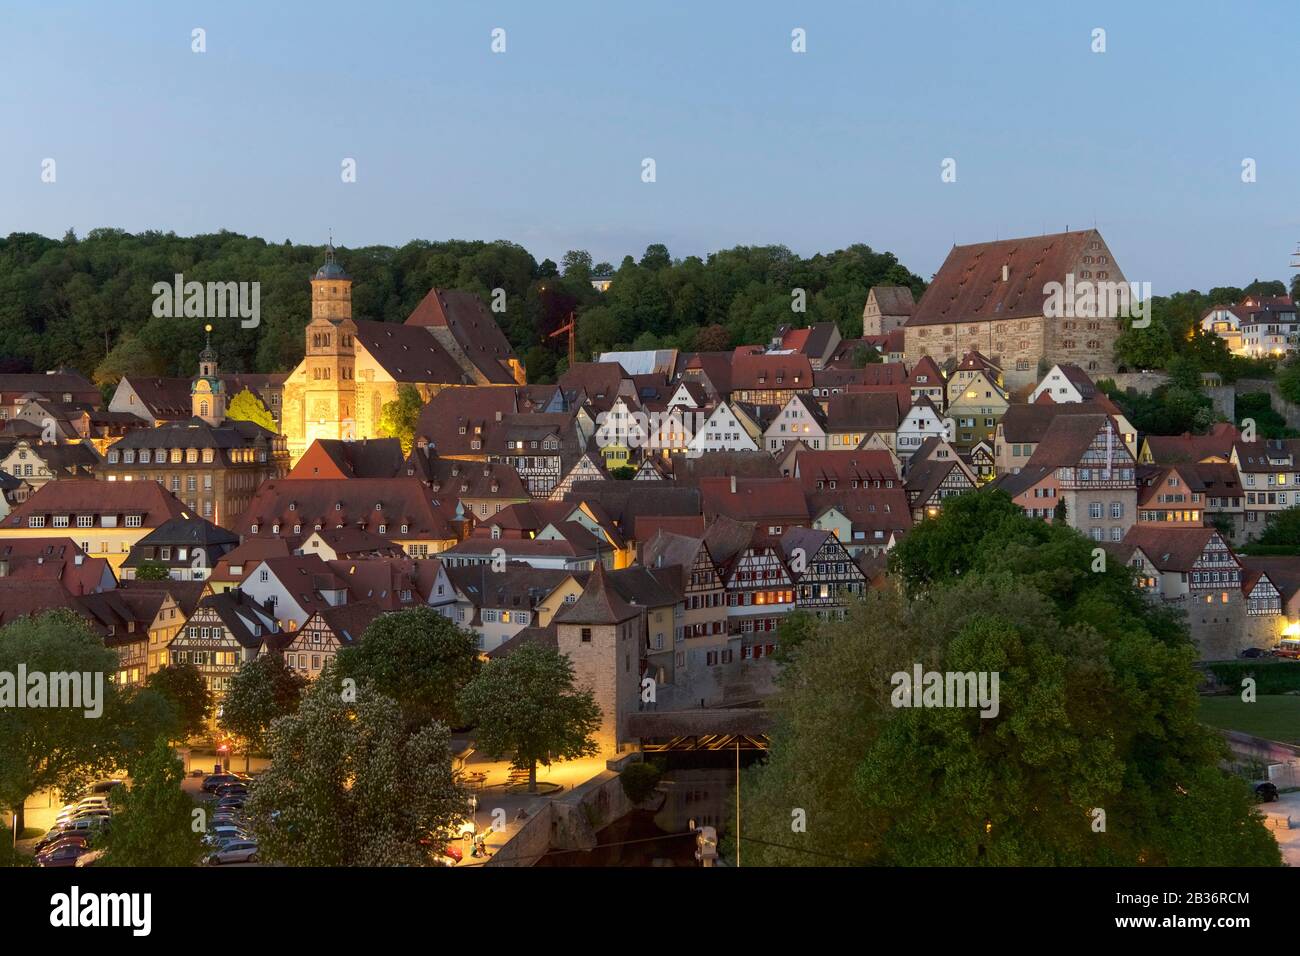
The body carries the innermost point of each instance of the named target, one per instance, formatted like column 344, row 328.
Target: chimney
column 1006, row 272
column 733, row 484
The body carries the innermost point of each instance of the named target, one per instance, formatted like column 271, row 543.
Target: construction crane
column 571, row 328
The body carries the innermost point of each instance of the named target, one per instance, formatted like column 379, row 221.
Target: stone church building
column 353, row 366
column 993, row 298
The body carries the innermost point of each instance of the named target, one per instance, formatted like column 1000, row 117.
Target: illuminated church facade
column 352, row 367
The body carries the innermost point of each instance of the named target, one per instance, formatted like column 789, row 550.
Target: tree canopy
column 87, row 303
column 1095, row 755
column 153, row 820
column 64, row 748
column 351, row 784
column 260, row 691
column 525, row 706
column 247, row 407
column 417, row 657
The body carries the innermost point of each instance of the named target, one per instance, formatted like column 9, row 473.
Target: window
column 586, row 635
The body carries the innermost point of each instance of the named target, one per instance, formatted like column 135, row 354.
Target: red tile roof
column 969, row 287
column 475, row 330
column 115, row 499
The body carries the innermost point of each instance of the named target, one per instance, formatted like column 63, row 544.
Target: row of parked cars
column 228, row 838
column 78, row 829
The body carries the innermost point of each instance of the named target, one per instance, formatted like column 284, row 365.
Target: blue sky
column 752, row 143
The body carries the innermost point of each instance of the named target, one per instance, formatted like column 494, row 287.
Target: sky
column 544, row 144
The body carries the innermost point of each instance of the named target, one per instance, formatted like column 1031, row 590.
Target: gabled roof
column 637, row 585
column 726, row 538
column 969, row 286
column 600, row 380
column 1016, row 483
column 892, row 299
column 518, row 585
column 868, row 509
column 186, row 594
column 1068, row 437
column 1027, row 424
column 599, row 603
column 715, row 367
column 409, row 353
column 926, row 374
column 50, row 384
column 1173, row 449
column 330, row 502
column 1168, row 549
column 52, row 559
column 688, row 469
column 353, row 542
column 844, row 468
column 863, row 411
column 473, row 327
column 478, row 409
column 758, row 372
column 72, row 497
column 368, row 458
column 753, row 498
column 194, row 532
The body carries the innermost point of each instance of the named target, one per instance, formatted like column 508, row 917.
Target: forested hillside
column 87, row 303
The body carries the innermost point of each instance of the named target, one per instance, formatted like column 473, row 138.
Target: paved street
column 492, row 796
column 1287, row 804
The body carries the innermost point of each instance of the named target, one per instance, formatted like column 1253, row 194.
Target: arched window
column 203, row 408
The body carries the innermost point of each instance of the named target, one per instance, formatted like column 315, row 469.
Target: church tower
column 207, row 391
column 329, row 405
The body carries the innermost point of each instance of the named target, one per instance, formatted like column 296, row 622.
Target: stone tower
column 207, row 391
column 329, row 402
column 602, row 635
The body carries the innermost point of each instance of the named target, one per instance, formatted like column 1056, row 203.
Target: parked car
column 62, row 854
column 214, row 780
column 90, row 859
column 57, row 836
column 1266, row 792
column 230, row 803
column 105, row 787
column 232, row 790
column 223, row 833
column 1255, row 652
column 237, row 851
column 92, row 824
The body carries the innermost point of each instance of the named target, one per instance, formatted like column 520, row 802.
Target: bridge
column 720, row 728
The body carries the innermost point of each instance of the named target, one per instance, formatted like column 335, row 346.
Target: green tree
column 398, row 418
column 639, row 780
column 1282, row 530
column 1288, row 381
column 1097, row 709
column 247, row 407
column 152, row 571
column 260, row 691
column 525, row 705
column 154, row 820
column 795, row 628
column 417, row 657
column 350, row 783
column 62, row 748
column 576, row 263
column 183, row 685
